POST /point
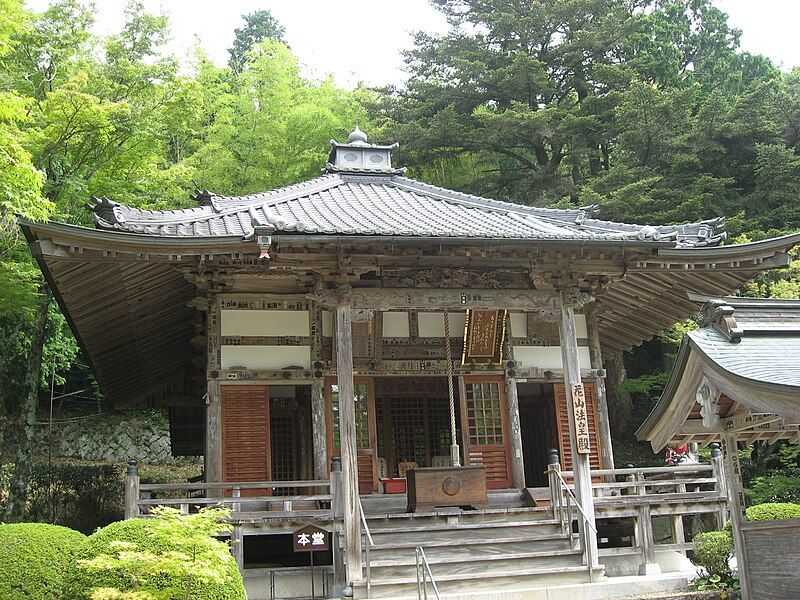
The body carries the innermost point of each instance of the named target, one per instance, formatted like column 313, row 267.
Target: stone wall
column 110, row 437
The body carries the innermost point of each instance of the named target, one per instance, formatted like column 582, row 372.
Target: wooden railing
column 246, row 500
column 642, row 493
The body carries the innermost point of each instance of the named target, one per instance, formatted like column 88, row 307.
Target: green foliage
column 773, row 488
column 36, row 559
column 674, row 336
column 645, row 391
column 712, row 552
column 167, row 557
column 258, row 27
column 771, row 511
column 74, row 494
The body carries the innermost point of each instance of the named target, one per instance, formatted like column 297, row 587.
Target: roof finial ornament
column 357, row 136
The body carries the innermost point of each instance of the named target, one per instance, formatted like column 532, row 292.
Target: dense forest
column 647, row 108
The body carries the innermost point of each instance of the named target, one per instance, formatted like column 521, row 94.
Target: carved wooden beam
column 440, row 299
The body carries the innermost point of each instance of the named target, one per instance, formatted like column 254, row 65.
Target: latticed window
column 484, row 413
column 284, row 449
column 362, row 415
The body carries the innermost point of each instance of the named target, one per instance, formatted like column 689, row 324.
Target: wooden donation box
column 429, row 487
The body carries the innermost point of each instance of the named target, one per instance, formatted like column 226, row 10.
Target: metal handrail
column 585, row 541
column 424, row 569
column 369, row 543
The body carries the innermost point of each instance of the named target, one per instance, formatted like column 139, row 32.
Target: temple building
column 384, row 322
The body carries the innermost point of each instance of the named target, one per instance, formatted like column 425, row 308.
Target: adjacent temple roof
column 361, row 194
column 741, row 366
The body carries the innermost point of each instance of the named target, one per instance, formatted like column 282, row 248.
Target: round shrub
column 771, row 511
column 712, row 551
column 36, row 559
column 158, row 569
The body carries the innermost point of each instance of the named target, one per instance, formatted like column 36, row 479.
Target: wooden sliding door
column 484, row 427
column 366, row 433
column 246, row 435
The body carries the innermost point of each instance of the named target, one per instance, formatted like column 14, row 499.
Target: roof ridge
column 480, row 201
column 316, row 184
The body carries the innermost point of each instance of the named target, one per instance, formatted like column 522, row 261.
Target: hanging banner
column 581, row 419
column 484, row 333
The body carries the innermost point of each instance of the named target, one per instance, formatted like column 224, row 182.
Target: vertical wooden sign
column 581, row 419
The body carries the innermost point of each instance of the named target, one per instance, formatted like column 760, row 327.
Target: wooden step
column 462, row 526
column 490, row 514
column 409, row 559
column 485, row 580
column 537, row 564
column 399, row 545
column 455, row 551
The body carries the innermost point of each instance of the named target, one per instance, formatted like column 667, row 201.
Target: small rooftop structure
column 740, row 371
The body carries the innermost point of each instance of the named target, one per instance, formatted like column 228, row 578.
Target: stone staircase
column 501, row 548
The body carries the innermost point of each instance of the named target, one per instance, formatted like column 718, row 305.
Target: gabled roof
column 748, row 352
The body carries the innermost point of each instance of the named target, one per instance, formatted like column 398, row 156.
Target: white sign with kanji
column 581, row 419
column 310, row 539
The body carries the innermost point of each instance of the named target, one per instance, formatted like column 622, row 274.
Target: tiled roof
column 381, row 203
column 763, row 345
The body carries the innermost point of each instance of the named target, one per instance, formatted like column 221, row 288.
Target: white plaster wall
column 327, row 323
column 547, row 357
column 580, row 326
column 519, row 324
column 431, row 324
column 265, row 322
column 266, row 358
column 395, row 324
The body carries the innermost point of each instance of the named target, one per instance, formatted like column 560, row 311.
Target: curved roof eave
column 673, row 408
column 784, row 242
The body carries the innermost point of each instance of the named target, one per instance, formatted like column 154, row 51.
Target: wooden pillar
column 337, row 507
column 678, row 532
column 237, row 542
column 604, row 429
column 213, row 457
column 581, row 469
column 717, row 461
column 733, row 474
column 514, row 425
column 649, row 566
column 347, row 435
column 319, row 431
column 132, row 490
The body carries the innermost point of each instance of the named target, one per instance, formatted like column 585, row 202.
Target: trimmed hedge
column 36, row 559
column 771, row 511
column 139, row 532
column 712, row 550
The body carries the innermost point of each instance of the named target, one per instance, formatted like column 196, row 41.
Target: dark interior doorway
column 413, row 421
column 537, row 426
column 290, row 433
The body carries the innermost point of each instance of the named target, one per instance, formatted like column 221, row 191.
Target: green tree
column 266, row 126
column 258, row 27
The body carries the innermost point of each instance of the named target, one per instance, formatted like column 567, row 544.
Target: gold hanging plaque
column 484, row 333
